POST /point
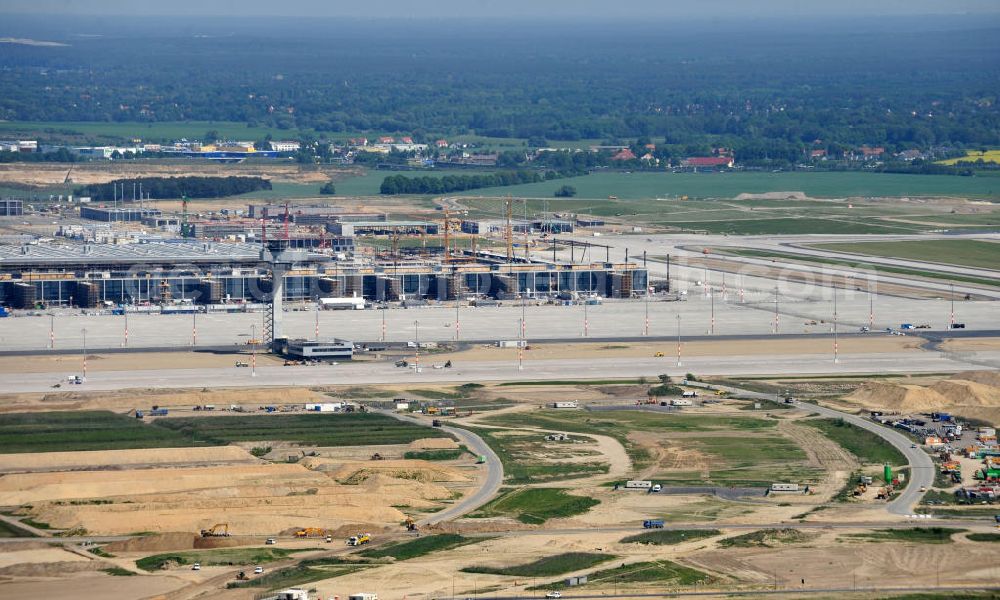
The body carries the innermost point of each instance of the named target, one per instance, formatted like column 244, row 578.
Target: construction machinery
column 377, row 456
column 310, row 532
column 217, row 530
column 410, row 524
column 359, row 540
column 658, row 355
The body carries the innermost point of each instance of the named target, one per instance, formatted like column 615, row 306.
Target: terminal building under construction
column 234, row 273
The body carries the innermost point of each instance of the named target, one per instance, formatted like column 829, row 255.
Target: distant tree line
column 176, row 187
column 60, row 155
column 401, row 184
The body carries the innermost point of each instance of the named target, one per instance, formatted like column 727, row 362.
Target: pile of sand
column 972, row 393
column 101, row 459
column 434, row 444
column 410, row 470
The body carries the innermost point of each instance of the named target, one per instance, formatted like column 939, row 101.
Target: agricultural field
column 988, row 156
column 319, row 430
column 641, row 185
column 86, row 430
column 966, row 253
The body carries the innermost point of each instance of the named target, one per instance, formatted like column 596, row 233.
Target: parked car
column 196, row 567
column 258, row 570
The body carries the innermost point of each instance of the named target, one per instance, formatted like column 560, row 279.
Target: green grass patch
column 119, row 572
column 965, row 512
column 85, row 430
column 519, row 468
column 868, row 447
column 217, row 557
column 967, row 253
column 8, row 530
column 420, row 546
column 802, row 226
column 315, row 429
column 166, row 131
column 98, row 551
column 765, row 538
column 983, row 537
column 306, row 571
column 668, row 537
column 546, row 567
column 435, row 454
column 920, row 535
column 536, row 505
column 663, row 572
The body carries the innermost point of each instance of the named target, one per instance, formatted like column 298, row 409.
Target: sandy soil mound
column 164, row 542
column 433, row 444
column 897, row 397
column 51, row 569
column 101, row 459
column 411, row 470
column 974, row 394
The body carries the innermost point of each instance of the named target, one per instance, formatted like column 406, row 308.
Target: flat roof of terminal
column 390, row 223
column 54, row 254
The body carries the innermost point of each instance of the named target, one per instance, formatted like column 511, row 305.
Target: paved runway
column 386, row 373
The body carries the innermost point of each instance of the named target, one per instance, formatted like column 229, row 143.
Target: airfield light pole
column 741, row 288
column 384, row 308
column 317, row 321
column 52, row 332
column 458, row 325
column 705, row 283
column 125, row 342
column 194, row 328
column 678, row 339
column 871, row 310
column 836, row 339
column 521, row 344
column 522, row 317
column 645, row 328
column 775, row 309
column 711, row 324
column 586, row 322
column 253, row 350
column 84, row 330
column 951, row 323
column 416, row 346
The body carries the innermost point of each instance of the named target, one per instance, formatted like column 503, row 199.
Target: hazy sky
column 618, row 9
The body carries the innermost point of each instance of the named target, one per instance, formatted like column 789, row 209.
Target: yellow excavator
column 217, row 530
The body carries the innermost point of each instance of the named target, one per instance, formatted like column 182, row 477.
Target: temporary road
column 493, row 467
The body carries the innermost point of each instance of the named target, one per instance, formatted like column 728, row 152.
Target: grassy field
column 661, row 572
column 520, row 466
column 85, row 430
column 535, row 505
column 918, row 535
column 548, row 566
column 435, row 454
column 218, row 557
column 321, row 430
column 663, row 537
column 984, row 537
column 967, row 253
column 639, row 185
column 867, row 447
column 306, row 571
column 744, row 460
column 859, row 264
column 990, row 156
column 800, row 226
column 420, row 546
column 765, row 538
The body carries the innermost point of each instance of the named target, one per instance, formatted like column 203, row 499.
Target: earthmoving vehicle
column 410, row 524
column 359, row 540
column 217, row 530
column 310, row 532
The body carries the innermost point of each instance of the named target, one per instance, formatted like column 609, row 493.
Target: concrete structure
column 315, row 349
column 115, row 214
column 485, row 226
column 383, row 228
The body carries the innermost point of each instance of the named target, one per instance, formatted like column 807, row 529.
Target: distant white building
column 285, row 146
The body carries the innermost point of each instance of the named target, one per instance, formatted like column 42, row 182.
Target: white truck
column 363, row 596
